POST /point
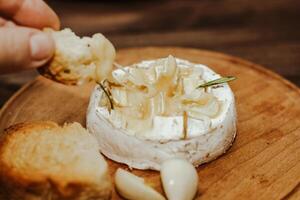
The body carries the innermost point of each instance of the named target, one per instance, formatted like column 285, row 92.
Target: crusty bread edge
column 46, row 72
column 14, row 186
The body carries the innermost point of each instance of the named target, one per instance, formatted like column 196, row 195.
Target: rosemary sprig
column 217, row 81
column 107, row 94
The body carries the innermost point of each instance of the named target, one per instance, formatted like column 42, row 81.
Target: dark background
column 265, row 32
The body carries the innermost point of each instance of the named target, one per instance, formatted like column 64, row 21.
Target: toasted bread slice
column 41, row 160
column 79, row 60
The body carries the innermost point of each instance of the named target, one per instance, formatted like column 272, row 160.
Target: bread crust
column 15, row 186
column 56, row 73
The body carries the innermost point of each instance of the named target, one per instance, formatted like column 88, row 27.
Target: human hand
column 22, row 44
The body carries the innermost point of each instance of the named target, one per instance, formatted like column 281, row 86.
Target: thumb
column 23, row 48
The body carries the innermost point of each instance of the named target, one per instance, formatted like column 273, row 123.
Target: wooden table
column 264, row 32
column 263, row 162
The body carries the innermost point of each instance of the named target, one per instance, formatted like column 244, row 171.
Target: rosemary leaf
column 217, row 81
column 108, row 95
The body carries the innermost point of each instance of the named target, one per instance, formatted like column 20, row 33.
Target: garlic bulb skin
column 179, row 179
column 133, row 187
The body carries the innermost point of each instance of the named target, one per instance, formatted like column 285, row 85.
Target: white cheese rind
column 141, row 153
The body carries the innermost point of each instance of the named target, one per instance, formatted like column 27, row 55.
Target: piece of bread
column 79, row 60
column 41, row 160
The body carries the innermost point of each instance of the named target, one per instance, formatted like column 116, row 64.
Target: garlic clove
column 150, row 75
column 133, row 187
column 179, row 179
column 210, row 109
column 190, row 84
column 137, row 76
column 170, row 66
column 119, row 96
column 107, row 55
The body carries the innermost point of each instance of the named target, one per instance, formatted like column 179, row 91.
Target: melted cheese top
column 159, row 100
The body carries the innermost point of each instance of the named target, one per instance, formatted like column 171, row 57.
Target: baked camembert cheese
column 154, row 110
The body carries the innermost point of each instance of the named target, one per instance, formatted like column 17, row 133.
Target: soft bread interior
column 78, row 60
column 42, row 152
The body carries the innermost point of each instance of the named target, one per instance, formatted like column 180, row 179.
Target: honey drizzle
column 185, row 124
column 170, row 88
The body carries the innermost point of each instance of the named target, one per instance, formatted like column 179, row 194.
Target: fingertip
column 41, row 48
column 32, row 13
column 24, row 48
column 54, row 22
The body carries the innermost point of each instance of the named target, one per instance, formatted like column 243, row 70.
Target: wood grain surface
column 265, row 32
column 264, row 161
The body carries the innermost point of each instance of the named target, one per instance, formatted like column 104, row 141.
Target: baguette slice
column 41, row 160
column 79, row 60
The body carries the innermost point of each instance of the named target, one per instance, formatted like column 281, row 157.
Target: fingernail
column 41, row 46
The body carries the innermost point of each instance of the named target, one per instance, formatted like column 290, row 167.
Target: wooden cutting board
column 264, row 161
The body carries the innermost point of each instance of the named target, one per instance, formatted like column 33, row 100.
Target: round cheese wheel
column 206, row 136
